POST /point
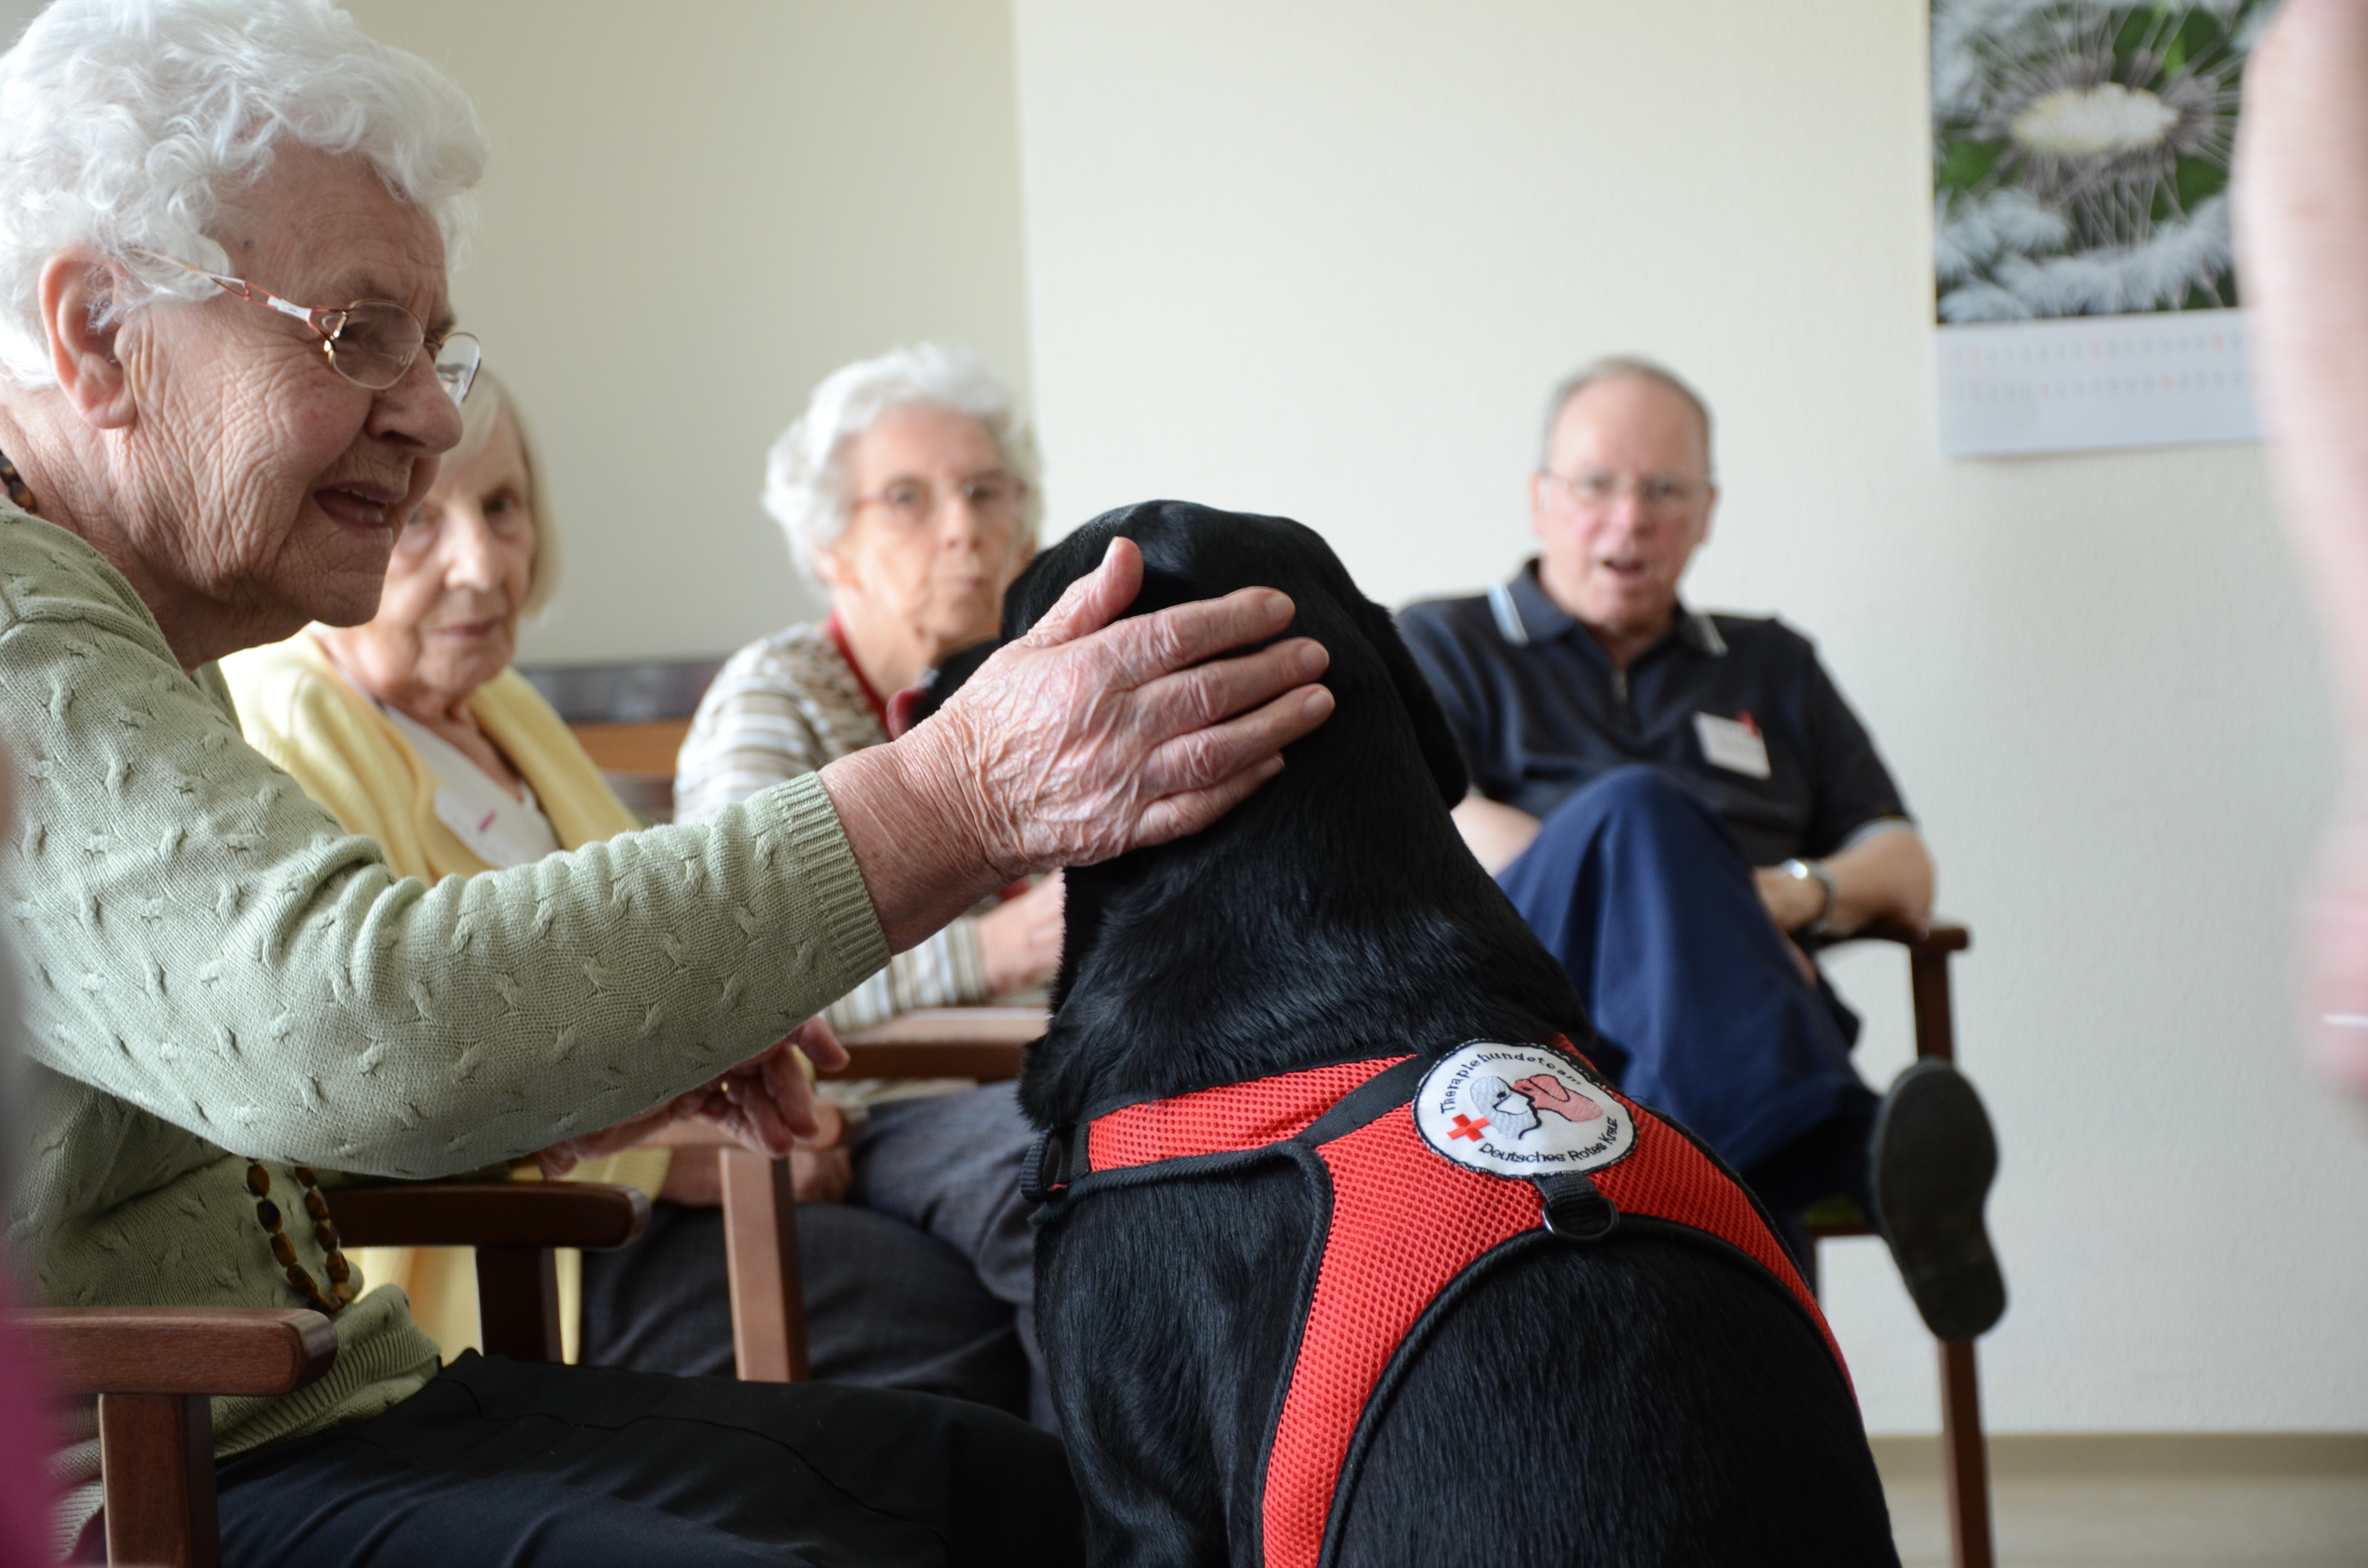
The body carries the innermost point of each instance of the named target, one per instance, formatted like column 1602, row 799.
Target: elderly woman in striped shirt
column 908, row 491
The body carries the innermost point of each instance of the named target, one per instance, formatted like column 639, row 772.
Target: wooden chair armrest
column 590, row 1215
column 985, row 1044
column 1931, row 940
column 259, row 1352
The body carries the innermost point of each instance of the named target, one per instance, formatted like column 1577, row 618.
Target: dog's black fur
column 1641, row 1400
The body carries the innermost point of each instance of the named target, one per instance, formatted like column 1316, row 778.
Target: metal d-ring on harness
column 1379, row 1139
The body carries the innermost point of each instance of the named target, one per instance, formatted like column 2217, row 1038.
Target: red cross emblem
column 1467, row 1128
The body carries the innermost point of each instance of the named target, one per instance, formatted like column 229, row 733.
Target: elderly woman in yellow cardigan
column 415, row 731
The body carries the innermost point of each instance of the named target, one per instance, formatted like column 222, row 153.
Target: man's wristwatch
column 1809, row 870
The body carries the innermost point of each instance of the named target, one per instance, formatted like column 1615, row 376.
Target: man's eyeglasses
column 994, row 499
column 371, row 343
column 1596, row 489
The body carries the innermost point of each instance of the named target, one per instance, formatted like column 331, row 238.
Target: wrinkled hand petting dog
column 1075, row 744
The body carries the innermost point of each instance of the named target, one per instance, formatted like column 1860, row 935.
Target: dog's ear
column 924, row 697
column 1431, row 731
column 909, row 708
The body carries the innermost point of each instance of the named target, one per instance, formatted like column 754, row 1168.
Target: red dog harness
column 1433, row 1162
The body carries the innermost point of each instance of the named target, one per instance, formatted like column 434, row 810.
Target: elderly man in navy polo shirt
column 1676, row 802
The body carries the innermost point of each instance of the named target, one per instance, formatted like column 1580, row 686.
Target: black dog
column 1617, row 1389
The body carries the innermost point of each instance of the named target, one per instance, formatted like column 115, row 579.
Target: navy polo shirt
column 1541, row 712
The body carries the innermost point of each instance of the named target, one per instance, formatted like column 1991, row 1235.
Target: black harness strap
column 1060, row 1158
column 1369, row 1101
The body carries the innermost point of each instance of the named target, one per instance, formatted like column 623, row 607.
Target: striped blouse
column 785, row 705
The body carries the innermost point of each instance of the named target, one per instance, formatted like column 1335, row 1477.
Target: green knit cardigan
column 216, row 972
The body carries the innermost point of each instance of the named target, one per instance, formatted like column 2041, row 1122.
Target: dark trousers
column 1646, row 898
column 517, row 1464
column 888, row 1305
column 924, row 1278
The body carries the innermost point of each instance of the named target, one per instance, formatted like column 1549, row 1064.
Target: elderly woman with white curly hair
column 228, row 367
column 908, row 490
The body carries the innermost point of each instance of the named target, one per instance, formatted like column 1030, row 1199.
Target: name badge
column 1734, row 745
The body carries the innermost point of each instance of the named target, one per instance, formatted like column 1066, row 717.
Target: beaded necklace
column 325, row 1231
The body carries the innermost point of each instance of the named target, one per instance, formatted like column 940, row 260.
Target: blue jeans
column 1644, row 896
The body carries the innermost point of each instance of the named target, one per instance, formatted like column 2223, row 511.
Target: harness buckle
column 1041, row 1173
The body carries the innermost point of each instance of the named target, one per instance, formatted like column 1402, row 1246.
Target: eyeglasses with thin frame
column 994, row 499
column 1596, row 489
column 371, row 343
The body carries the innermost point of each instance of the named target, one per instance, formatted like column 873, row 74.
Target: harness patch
column 1520, row 1110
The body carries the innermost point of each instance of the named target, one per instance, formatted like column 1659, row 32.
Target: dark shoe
column 1930, row 1161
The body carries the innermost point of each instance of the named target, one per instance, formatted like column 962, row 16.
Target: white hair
column 805, row 475
column 1614, row 366
column 126, row 124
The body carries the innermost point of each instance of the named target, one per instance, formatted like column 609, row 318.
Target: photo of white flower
column 2080, row 155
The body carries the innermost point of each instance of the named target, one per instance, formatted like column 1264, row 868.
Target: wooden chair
column 760, row 1253
column 760, row 1216
column 156, row 1368
column 515, row 1228
column 1965, row 1454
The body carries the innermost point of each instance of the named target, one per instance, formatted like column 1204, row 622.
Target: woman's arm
column 208, row 945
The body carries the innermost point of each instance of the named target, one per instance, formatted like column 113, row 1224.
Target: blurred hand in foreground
column 2301, row 191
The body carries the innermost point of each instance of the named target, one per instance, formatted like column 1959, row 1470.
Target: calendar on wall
column 2089, row 382
column 2084, row 279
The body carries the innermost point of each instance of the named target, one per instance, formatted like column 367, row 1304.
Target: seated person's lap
column 934, row 1223
column 524, row 1463
column 1646, row 897
column 665, row 1306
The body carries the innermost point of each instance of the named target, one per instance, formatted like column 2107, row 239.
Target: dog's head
column 1337, row 904
column 1196, row 552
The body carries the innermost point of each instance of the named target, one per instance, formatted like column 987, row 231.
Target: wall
column 692, row 216
column 1326, row 258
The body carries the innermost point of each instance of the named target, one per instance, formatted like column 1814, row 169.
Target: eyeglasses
column 371, row 343
column 994, row 499
column 1596, row 489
